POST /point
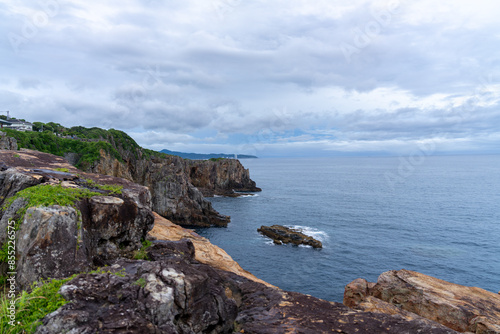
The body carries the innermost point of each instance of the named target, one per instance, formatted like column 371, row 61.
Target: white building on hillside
column 19, row 125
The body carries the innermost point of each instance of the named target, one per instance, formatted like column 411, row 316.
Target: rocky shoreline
column 137, row 272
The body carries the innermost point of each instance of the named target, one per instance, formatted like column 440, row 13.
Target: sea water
column 439, row 215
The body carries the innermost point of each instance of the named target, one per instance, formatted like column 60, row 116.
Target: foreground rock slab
column 284, row 235
column 412, row 294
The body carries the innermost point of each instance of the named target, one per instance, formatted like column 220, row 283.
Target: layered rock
column 285, row 235
column 225, row 177
column 412, row 294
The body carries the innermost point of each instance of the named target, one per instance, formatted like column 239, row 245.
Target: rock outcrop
column 225, row 177
column 205, row 252
column 58, row 241
column 285, row 235
column 170, row 294
column 412, row 294
column 7, row 143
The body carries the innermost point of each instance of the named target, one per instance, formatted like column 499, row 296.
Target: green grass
column 110, row 188
column 140, row 282
column 64, row 170
column 32, row 307
column 43, row 299
column 142, row 254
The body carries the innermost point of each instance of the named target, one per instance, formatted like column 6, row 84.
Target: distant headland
column 200, row 156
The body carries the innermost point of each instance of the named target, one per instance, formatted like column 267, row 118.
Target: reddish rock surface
column 464, row 309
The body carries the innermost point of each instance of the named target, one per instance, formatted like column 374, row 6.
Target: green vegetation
column 64, row 170
column 32, row 307
column 112, row 189
column 47, row 142
column 42, row 300
column 216, row 159
column 140, row 282
column 142, row 253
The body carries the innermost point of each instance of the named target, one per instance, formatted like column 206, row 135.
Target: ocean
column 438, row 215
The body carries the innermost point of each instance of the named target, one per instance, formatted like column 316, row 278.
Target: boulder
column 464, row 309
column 281, row 234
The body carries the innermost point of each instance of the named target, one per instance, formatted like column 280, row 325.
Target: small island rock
column 285, row 235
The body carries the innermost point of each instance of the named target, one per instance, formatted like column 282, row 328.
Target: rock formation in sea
column 285, row 235
column 100, row 230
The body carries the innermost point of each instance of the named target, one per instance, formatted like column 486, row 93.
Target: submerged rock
column 412, row 294
column 285, row 235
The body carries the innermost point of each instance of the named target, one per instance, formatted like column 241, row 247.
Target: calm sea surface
column 437, row 215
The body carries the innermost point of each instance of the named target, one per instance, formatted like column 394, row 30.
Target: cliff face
column 221, row 177
column 179, row 187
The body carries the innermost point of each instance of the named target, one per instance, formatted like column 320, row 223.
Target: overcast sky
column 271, row 78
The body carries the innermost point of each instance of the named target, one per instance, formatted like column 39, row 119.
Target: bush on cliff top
column 47, row 142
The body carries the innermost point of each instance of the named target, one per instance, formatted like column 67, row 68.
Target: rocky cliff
column 75, row 223
column 224, row 177
column 178, row 186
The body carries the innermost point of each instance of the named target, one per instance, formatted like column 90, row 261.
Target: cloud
column 281, row 77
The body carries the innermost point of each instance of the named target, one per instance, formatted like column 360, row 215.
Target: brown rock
column 205, row 252
column 455, row 306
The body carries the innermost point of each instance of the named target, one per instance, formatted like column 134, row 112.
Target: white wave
column 250, row 195
column 311, row 231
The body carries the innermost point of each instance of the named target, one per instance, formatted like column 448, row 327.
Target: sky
column 269, row 78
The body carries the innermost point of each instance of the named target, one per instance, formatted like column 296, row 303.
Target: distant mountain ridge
column 200, row 156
